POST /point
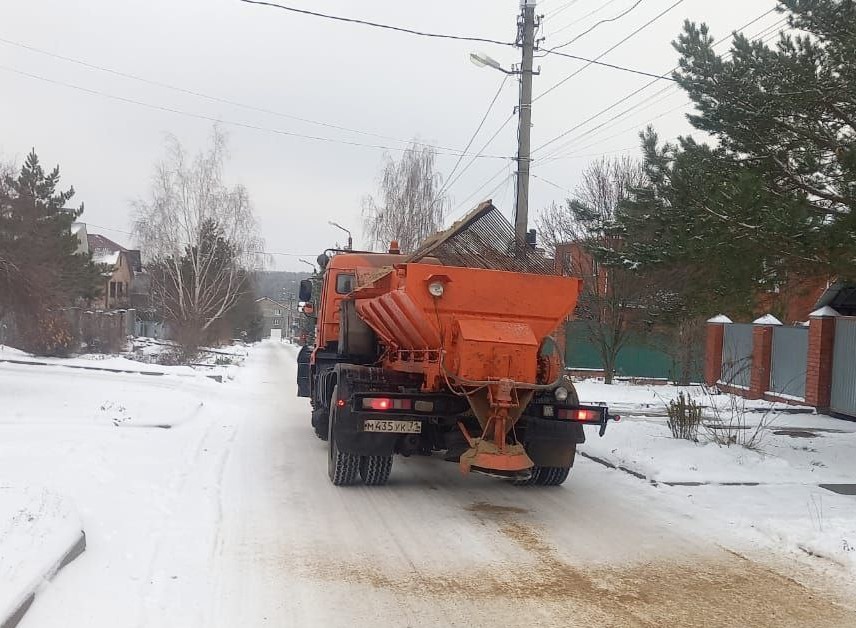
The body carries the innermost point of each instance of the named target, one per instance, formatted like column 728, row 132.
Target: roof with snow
column 99, row 243
column 102, row 257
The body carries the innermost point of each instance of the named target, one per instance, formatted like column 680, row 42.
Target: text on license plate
column 395, row 427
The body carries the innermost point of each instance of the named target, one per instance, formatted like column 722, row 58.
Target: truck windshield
column 344, row 284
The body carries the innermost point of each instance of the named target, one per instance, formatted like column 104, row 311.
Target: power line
column 131, row 233
column 630, row 109
column 608, row 65
column 377, row 25
column 637, row 91
column 243, row 125
column 191, row 92
column 486, row 144
column 581, row 18
column 591, row 28
column 610, row 49
column 561, row 8
column 463, row 203
column 473, row 137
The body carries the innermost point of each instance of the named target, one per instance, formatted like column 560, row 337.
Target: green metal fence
column 649, row 355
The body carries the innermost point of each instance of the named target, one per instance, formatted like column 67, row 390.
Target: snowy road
column 246, row 530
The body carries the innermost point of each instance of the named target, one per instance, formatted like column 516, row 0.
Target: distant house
column 121, row 267
column 274, row 315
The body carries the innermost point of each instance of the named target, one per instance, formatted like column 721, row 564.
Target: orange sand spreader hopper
column 479, row 332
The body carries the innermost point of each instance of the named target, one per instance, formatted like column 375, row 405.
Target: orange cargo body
column 491, row 323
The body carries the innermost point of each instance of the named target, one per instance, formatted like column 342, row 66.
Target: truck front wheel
column 341, row 467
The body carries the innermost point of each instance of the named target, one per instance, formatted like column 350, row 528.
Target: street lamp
column 482, row 60
column 310, row 264
column 338, row 226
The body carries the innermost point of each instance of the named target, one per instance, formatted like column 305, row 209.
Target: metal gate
column 737, row 355
column 790, row 353
column 843, row 398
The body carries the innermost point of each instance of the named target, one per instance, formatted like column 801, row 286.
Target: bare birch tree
column 199, row 238
column 612, row 294
column 411, row 202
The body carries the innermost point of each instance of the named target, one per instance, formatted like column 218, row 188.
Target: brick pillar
column 713, row 349
column 821, row 344
column 762, row 353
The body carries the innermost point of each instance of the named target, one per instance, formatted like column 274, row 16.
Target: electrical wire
column 591, row 28
column 195, row 93
column 607, row 65
column 624, row 98
column 377, row 25
column 463, row 204
column 444, row 187
column 608, row 50
column 561, row 8
column 582, row 18
column 550, row 155
column 481, row 150
column 131, row 233
column 443, row 150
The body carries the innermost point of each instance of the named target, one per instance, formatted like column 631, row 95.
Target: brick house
column 793, row 301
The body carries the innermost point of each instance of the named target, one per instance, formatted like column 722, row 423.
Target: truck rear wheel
column 320, row 418
column 375, row 470
column 341, row 467
column 552, row 476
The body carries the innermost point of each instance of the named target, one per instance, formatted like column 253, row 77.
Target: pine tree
column 40, row 269
column 776, row 195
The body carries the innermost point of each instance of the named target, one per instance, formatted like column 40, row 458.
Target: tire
column 342, row 468
column 552, row 476
column 320, row 423
column 532, row 479
column 375, row 470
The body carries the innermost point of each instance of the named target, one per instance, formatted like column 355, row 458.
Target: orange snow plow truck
column 447, row 352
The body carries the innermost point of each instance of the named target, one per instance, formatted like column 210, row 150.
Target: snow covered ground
column 142, row 357
column 797, row 452
column 208, row 504
column 38, row 531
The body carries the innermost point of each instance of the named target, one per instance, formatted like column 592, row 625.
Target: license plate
column 394, row 427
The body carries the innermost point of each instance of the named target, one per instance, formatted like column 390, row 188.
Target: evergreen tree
column 39, row 266
column 776, row 196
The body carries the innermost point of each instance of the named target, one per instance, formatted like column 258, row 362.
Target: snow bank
column 784, row 509
column 647, row 447
column 211, row 363
column 38, row 530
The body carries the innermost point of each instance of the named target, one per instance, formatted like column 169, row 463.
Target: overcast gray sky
column 379, row 82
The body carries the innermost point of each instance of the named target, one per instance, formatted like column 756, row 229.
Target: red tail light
column 386, row 403
column 581, row 415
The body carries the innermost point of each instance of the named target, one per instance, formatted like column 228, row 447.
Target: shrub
column 684, row 417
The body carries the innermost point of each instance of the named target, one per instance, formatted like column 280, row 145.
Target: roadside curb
column 837, row 488
column 77, row 548
column 216, row 378
column 640, row 476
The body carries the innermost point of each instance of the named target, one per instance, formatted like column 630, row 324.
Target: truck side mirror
column 305, row 290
